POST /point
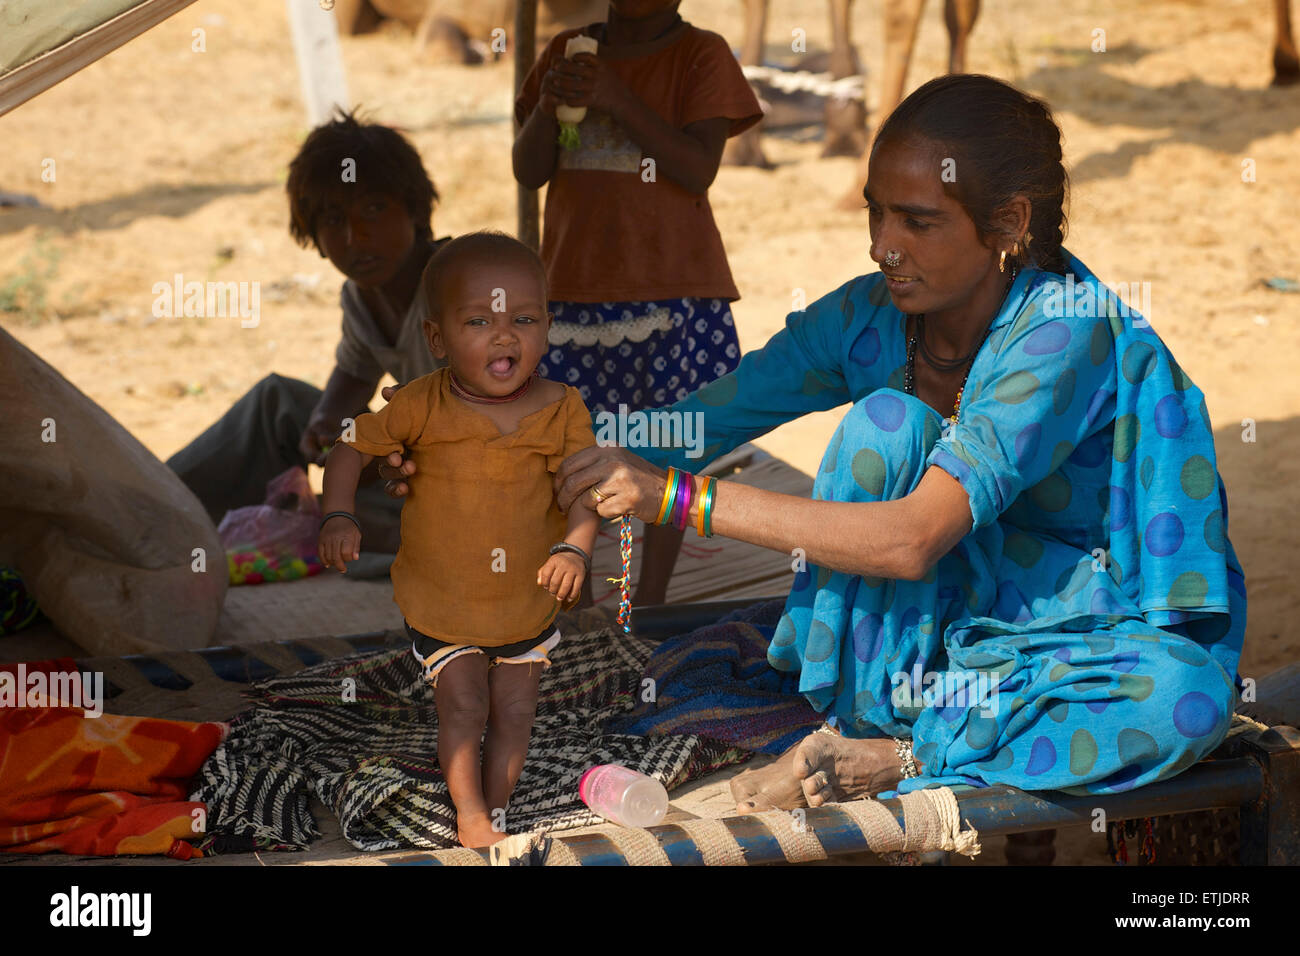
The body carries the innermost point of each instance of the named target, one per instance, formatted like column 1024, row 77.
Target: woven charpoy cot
column 209, row 684
column 361, row 734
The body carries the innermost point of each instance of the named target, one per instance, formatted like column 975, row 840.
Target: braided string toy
column 625, row 552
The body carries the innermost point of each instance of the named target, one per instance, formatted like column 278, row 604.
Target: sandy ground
column 173, row 161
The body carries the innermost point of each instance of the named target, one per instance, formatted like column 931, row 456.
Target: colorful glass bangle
column 687, row 492
column 670, row 484
column 699, row 512
column 675, row 507
column 671, row 511
column 706, row 505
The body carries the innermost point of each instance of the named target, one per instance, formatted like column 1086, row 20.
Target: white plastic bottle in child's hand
column 624, row 796
column 570, row 116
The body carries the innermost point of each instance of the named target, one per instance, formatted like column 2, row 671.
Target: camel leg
column 1286, row 64
column 902, row 19
column 747, row 148
column 751, row 49
column 959, row 16
column 846, row 120
column 441, row 40
column 355, row 17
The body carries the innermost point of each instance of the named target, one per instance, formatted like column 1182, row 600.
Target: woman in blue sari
column 1017, row 562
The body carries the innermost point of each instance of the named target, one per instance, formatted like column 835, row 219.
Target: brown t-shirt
column 611, row 236
column 481, row 516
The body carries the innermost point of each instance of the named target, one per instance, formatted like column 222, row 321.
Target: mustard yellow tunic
column 481, row 515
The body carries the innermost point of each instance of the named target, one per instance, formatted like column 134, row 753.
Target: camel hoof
column 1285, row 74
column 846, row 128
column 746, row 150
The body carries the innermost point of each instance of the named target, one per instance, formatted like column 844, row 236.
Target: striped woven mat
column 360, row 733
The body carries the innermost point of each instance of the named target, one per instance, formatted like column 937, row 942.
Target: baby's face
column 492, row 324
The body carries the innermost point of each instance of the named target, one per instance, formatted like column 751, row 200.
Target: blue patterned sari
column 1085, row 634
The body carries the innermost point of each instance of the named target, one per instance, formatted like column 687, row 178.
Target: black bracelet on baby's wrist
column 565, row 546
column 340, row 514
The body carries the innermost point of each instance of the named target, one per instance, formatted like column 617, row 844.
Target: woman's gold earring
column 1015, row 248
column 1002, row 262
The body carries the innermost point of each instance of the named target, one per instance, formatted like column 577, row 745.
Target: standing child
column 640, row 285
column 486, row 556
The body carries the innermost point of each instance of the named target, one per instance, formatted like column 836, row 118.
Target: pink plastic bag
column 275, row 541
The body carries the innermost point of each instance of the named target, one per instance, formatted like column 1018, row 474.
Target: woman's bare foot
column 476, row 830
column 774, row 787
column 821, row 768
column 832, row 768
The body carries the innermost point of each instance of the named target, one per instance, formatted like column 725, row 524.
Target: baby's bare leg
column 513, row 689
column 462, row 701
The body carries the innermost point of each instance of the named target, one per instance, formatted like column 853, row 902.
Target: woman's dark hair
column 1005, row 143
column 382, row 159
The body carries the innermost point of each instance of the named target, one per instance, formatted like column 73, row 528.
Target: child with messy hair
column 487, row 558
column 358, row 192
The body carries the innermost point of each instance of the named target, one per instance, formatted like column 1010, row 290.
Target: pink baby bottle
column 624, row 796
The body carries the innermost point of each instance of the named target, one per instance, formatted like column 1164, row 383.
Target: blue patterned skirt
column 640, row 354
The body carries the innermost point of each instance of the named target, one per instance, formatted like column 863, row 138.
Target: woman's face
column 942, row 264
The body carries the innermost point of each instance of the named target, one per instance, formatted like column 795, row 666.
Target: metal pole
column 529, row 231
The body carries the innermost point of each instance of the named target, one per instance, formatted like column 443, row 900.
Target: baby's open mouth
column 502, row 366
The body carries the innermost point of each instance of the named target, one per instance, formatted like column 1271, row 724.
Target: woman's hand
column 627, row 483
column 393, row 469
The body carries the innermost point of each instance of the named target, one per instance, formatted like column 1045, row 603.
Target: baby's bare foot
column 476, row 830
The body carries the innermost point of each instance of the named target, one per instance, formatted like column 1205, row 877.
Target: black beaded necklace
column 946, row 365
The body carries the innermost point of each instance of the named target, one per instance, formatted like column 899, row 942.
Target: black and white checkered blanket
column 361, row 733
